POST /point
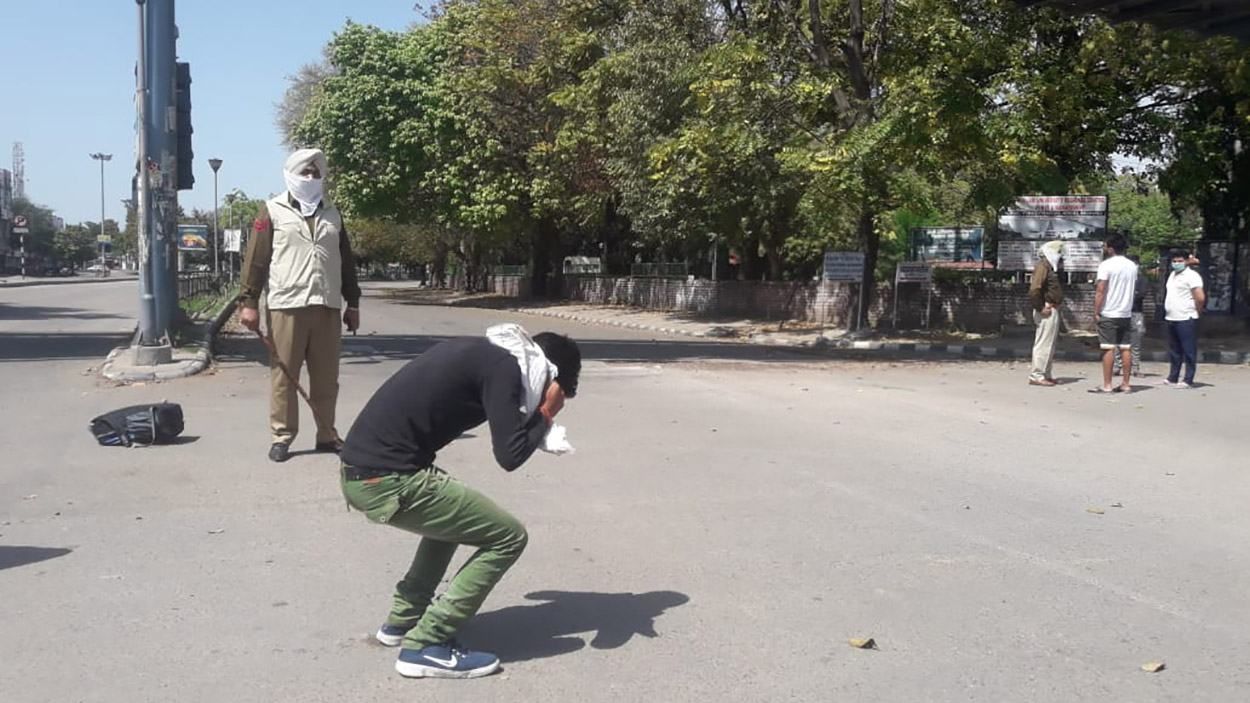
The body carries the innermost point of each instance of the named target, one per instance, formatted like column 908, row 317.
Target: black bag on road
column 138, row 425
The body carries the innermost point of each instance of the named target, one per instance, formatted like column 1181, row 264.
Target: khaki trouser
column 1044, row 342
column 300, row 335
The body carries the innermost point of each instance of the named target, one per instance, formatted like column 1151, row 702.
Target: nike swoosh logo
column 449, row 663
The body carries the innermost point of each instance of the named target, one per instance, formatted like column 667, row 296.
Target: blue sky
column 69, row 90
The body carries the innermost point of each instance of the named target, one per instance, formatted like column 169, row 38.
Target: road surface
column 731, row 518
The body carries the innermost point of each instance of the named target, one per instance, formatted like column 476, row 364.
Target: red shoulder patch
column 260, row 224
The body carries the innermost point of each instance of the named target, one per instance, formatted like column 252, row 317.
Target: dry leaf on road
column 1096, row 511
column 1153, row 667
column 858, row 643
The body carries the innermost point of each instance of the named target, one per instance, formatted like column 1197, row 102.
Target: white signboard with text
column 1078, row 256
column 844, row 265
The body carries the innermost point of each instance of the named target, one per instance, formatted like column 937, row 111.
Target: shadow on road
column 24, row 346
column 373, row 349
column 11, row 556
column 38, row 312
column 552, row 628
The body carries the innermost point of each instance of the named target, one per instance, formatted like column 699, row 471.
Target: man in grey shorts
column 1113, row 312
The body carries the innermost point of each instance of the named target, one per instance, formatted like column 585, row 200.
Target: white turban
column 1053, row 251
column 307, row 190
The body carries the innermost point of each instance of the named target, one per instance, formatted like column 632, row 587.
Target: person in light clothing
column 1137, row 328
column 1183, row 304
column 1046, row 295
column 1113, row 312
column 301, row 254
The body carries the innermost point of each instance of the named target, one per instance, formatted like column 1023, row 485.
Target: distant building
column 6, row 214
column 58, row 224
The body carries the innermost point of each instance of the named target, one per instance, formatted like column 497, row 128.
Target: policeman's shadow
column 552, row 628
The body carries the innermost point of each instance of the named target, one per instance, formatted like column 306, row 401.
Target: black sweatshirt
column 450, row 389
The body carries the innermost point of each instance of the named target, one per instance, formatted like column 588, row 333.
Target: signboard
column 1021, row 255
column 20, row 225
column 947, row 243
column 583, row 265
column 844, row 265
column 104, row 239
column 192, row 237
column 1047, row 217
column 233, row 240
column 913, row 272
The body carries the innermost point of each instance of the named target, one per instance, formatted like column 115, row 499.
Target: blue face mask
column 1178, row 266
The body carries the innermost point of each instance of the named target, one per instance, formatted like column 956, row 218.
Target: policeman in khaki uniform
column 301, row 261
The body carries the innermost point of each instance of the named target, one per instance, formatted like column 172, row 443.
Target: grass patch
column 207, row 304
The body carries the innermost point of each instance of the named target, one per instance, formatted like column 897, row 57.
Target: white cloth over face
column 1053, row 251
column 306, row 190
column 536, row 372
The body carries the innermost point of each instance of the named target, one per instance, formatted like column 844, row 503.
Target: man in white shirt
column 1184, row 302
column 1113, row 312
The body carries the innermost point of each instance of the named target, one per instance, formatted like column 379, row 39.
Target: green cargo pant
column 446, row 514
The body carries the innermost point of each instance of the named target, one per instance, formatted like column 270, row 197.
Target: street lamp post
column 101, row 157
column 215, row 164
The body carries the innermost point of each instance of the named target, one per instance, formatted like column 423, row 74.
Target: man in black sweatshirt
column 389, row 474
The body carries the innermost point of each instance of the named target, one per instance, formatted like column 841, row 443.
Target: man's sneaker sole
column 418, row 671
column 387, row 640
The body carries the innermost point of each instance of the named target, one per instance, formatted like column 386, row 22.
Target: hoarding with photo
column 1047, row 217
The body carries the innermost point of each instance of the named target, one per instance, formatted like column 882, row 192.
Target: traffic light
column 182, row 101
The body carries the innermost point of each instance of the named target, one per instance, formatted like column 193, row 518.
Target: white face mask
column 306, row 190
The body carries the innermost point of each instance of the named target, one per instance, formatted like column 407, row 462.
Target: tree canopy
column 521, row 131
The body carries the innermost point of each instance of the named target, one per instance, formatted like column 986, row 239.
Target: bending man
column 389, row 474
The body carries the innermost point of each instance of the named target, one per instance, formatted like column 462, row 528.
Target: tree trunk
column 543, row 239
column 438, row 267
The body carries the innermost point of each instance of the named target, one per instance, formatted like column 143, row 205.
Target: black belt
column 354, row 473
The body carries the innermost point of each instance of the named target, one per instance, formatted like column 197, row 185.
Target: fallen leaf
column 1169, row 473
column 1117, row 504
column 217, row 531
column 1096, row 511
column 1153, row 667
column 32, row 496
column 858, row 643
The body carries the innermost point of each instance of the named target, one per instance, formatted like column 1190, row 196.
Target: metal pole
column 215, row 164
column 100, row 244
column 162, row 36
column 149, row 332
column 23, row 246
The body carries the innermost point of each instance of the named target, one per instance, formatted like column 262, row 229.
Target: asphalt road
column 732, row 517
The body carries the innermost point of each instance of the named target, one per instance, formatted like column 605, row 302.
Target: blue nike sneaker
column 445, row 661
column 392, row 635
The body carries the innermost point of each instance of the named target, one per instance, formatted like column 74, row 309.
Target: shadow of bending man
column 554, row 626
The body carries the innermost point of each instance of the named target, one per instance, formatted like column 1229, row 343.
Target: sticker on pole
column 844, row 265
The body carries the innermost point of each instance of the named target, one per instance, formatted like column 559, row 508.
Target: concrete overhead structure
column 1206, row 17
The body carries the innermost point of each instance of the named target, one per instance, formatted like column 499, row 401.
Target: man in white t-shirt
column 1113, row 312
column 1184, row 302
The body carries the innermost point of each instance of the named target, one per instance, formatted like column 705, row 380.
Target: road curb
column 924, row 350
column 201, row 357
column 113, row 370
